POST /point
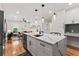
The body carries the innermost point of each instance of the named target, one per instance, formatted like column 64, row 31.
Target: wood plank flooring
column 13, row 48
column 72, row 51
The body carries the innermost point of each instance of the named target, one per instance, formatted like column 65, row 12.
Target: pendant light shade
column 24, row 20
column 42, row 5
column 42, row 19
column 36, row 10
column 54, row 16
column 54, row 13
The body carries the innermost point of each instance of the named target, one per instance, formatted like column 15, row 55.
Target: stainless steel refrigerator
column 1, row 32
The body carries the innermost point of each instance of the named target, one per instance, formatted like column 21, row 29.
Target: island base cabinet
column 39, row 48
column 32, row 45
column 28, row 44
column 44, row 49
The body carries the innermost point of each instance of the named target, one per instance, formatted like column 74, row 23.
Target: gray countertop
column 48, row 38
column 72, row 34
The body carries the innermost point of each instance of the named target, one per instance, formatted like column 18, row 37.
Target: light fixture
column 70, row 3
column 36, row 21
column 50, row 11
column 36, row 10
column 42, row 5
column 27, row 21
column 42, row 19
column 24, row 20
column 54, row 16
column 17, row 12
column 54, row 13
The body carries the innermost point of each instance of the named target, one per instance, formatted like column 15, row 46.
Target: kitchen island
column 46, row 45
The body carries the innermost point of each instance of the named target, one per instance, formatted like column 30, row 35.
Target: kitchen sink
column 38, row 35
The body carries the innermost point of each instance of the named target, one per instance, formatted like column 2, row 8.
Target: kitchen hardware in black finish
column 30, row 42
column 42, row 44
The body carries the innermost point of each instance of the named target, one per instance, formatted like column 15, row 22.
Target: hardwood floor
column 13, row 47
column 72, row 51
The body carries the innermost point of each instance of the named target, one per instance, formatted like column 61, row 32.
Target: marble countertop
column 72, row 34
column 48, row 38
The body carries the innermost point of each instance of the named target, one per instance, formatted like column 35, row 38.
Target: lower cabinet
column 44, row 49
column 38, row 48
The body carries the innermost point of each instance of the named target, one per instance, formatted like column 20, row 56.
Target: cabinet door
column 28, row 43
column 44, row 49
column 34, row 46
column 39, row 48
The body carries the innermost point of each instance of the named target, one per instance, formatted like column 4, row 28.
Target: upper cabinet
column 72, row 16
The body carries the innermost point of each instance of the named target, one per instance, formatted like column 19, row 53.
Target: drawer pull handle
column 30, row 43
column 42, row 44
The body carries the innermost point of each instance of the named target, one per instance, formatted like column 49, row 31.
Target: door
column 1, row 32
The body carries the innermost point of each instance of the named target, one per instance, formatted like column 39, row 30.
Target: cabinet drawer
column 44, row 49
column 39, row 48
column 45, row 45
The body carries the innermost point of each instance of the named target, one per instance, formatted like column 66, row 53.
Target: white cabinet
column 31, row 45
column 72, row 15
column 44, row 49
column 38, row 48
column 28, row 43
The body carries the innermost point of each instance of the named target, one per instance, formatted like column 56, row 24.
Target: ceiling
column 18, row 11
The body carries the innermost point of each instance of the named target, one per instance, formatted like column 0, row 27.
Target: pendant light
column 42, row 19
column 36, row 10
column 24, row 20
column 42, row 5
column 54, row 15
column 36, row 21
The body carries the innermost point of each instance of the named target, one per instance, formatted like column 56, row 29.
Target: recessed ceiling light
column 17, row 12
